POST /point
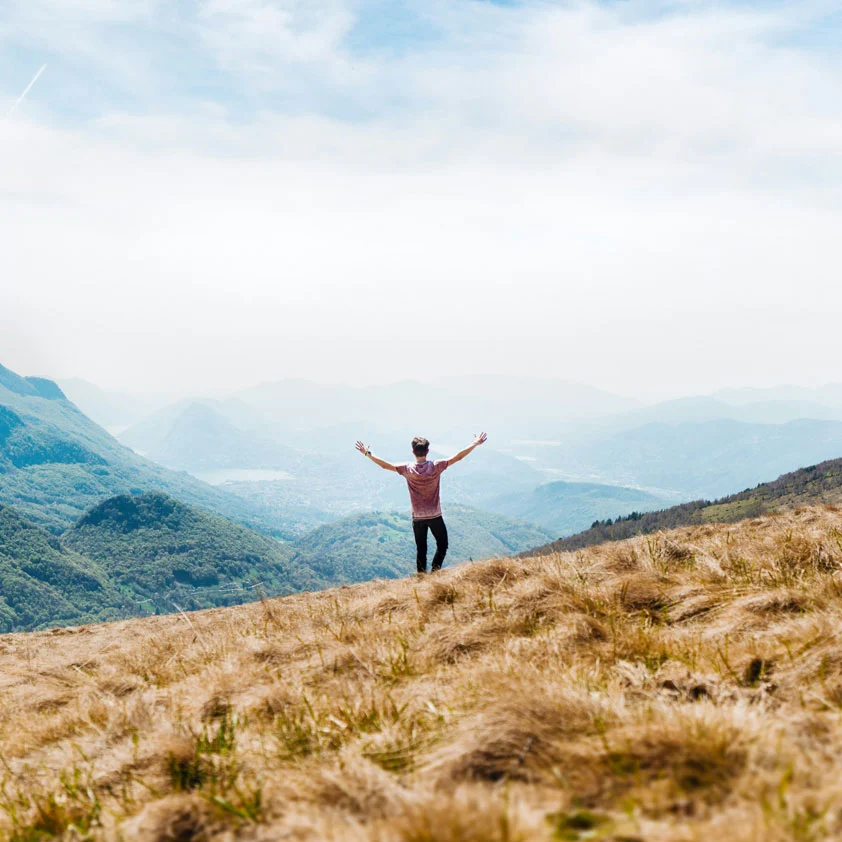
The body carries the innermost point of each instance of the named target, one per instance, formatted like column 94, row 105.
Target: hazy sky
column 640, row 195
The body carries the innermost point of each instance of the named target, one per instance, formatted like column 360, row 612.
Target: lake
column 222, row 475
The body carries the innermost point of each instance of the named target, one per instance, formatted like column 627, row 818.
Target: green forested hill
column 817, row 484
column 565, row 507
column 55, row 463
column 44, row 584
column 380, row 544
column 154, row 547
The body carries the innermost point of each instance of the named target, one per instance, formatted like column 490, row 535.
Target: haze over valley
column 570, row 455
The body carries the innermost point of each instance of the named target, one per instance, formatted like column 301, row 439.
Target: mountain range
column 688, row 458
column 285, row 447
column 201, row 439
column 682, row 448
column 98, row 531
column 294, row 408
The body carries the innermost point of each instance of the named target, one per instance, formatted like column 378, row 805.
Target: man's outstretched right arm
column 478, row 440
column 366, row 451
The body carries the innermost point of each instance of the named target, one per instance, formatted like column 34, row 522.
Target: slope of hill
column 55, row 463
column 380, row 544
column 686, row 688
column 149, row 433
column 565, row 507
column 41, row 583
column 154, row 547
column 816, row 484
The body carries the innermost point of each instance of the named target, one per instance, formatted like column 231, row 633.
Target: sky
column 645, row 196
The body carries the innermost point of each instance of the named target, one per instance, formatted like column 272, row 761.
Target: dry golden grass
column 681, row 686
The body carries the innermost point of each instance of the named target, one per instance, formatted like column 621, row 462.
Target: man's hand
column 366, row 451
column 482, row 438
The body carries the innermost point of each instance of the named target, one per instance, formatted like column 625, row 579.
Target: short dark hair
column 420, row 446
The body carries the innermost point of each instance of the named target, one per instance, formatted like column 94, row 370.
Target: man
column 423, row 478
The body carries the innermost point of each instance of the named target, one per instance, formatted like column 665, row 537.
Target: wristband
column 368, row 453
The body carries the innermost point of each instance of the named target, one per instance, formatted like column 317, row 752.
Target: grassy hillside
column 565, row 507
column 381, row 544
column 55, row 463
column 817, row 484
column 683, row 688
column 41, row 583
column 154, row 547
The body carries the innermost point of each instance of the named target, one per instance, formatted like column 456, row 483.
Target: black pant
column 439, row 530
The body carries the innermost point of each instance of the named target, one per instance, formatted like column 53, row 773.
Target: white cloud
column 598, row 192
column 90, row 11
column 260, row 37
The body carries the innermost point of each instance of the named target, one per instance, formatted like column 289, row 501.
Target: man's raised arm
column 366, row 451
column 480, row 439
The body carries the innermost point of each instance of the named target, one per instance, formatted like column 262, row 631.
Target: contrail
column 21, row 98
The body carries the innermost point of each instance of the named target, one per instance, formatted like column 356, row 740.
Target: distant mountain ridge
column 698, row 446
column 697, row 459
column 694, row 447
column 820, row 483
column 830, row 394
column 707, row 408
column 202, row 439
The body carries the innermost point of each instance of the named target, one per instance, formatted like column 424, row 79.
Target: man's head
column 420, row 447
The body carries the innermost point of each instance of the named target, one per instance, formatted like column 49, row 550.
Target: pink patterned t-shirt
column 423, row 479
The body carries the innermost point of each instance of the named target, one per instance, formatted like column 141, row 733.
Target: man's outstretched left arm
column 366, row 451
column 480, row 439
